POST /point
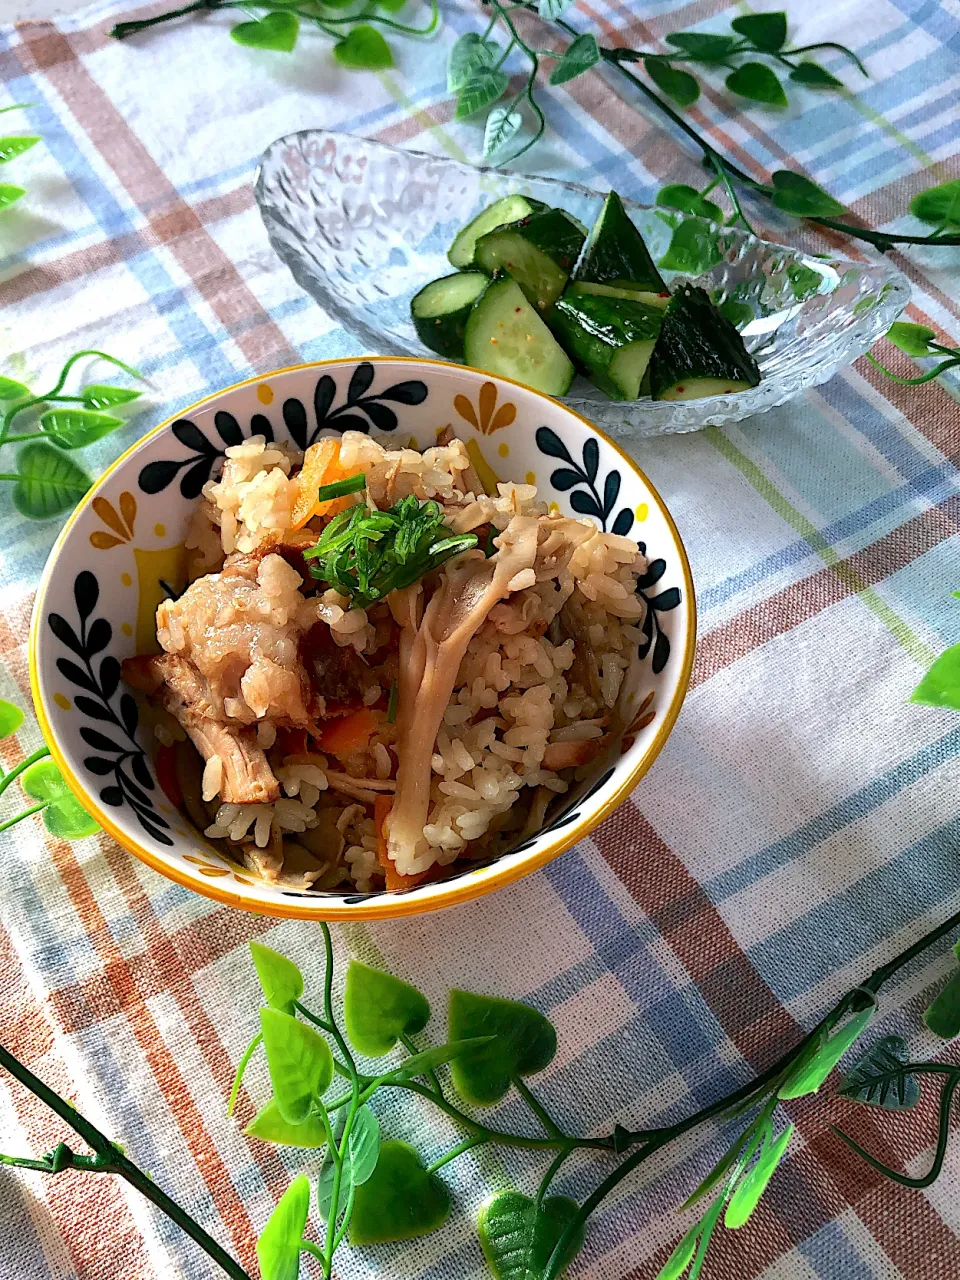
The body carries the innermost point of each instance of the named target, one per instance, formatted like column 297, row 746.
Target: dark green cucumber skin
column 468, row 261
column 698, row 341
column 551, row 231
column 616, row 251
column 444, row 334
column 592, row 329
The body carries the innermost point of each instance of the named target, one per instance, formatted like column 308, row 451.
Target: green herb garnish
column 367, row 554
column 340, row 488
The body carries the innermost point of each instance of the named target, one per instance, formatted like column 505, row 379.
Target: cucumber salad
column 537, row 299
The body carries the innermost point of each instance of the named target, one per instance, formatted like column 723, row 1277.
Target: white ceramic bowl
column 105, row 576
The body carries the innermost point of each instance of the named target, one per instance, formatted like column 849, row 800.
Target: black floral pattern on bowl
column 98, row 686
column 361, row 409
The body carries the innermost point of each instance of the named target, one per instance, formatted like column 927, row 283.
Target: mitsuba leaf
column 469, row 54
column 578, row 57
column 879, row 1079
column 278, row 1248
column 939, row 205
column 793, row 193
column 64, row 816
column 940, row 687
column 702, row 45
column 363, row 49
column 766, row 31
column 10, row 389
column 693, row 249
column 502, row 124
column 524, row 1042
column 815, row 76
column 747, row 1195
column 14, row 146
column 277, row 31
column 679, row 85
column 300, row 1064
column 517, row 1239
column 280, row 979
column 399, row 1201
column 914, row 339
column 757, row 82
column 379, row 1008
column 481, row 89
column 11, row 718
column 812, row 1070
column 75, row 428
column 688, row 200
column 269, row 1125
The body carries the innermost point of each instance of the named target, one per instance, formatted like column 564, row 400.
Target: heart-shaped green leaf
column 278, row 1248
column 277, row 31
column 517, row 1240
column 10, row 389
column 269, row 1125
column 100, row 395
column 400, row 1200
column 757, row 82
column 524, row 1043
column 15, row 145
column 914, row 339
column 468, row 54
column 943, row 1015
column 693, row 249
column 804, row 281
column 815, row 76
column 74, row 428
column 280, row 979
column 677, row 195
column 579, row 57
column 880, row 1078
column 704, row 46
column 300, row 1064
column 481, row 89
column 9, row 194
column 939, row 205
column 738, row 313
column 11, row 718
column 679, row 85
column 940, row 687
column 64, row 816
column 50, row 482
column 363, row 49
column 378, row 1009
column 793, row 193
column 766, row 31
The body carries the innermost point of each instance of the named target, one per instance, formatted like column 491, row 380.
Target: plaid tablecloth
column 803, row 821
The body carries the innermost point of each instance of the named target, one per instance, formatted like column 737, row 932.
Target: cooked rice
column 539, row 682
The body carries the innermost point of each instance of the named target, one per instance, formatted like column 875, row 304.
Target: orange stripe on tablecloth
column 169, row 217
column 28, row 1035
column 801, row 601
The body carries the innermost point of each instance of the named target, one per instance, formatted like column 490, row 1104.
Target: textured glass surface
column 363, row 226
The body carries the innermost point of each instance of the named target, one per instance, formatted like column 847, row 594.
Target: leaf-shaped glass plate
column 363, row 226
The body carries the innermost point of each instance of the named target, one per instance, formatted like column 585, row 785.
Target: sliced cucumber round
column 506, row 209
column 440, row 311
column 618, row 289
column 506, row 336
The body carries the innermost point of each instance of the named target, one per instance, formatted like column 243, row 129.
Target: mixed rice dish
column 380, row 673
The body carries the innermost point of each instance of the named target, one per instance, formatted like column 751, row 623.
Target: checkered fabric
column 802, row 823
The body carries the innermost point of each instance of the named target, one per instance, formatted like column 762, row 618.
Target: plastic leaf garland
column 518, row 1236
column 379, row 1009
column 400, row 1200
column 63, row 815
column 524, row 1042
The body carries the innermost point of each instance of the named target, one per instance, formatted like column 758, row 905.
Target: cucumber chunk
column 440, row 311
column 699, row 352
column 618, row 289
column 507, row 209
column 538, row 252
column 611, row 340
column 506, row 336
column 616, row 252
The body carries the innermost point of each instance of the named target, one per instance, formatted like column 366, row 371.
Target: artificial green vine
column 47, row 482
column 12, row 146
column 358, row 44
column 919, row 341
column 42, row 782
column 477, row 74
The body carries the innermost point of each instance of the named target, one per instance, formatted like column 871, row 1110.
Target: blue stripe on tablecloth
column 833, row 1256
column 833, row 819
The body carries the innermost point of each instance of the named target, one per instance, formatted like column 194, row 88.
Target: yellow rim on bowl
column 386, row 905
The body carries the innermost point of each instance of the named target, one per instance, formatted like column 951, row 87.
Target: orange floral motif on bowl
column 487, row 417
column 643, row 716
column 119, row 522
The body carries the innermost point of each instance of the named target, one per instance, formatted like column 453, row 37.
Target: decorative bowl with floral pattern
column 123, row 549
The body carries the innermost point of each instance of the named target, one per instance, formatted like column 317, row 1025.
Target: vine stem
column 112, row 1160
column 27, row 813
column 124, row 29
column 16, row 771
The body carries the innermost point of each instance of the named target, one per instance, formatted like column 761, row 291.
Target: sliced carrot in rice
column 394, row 880
column 321, row 465
column 349, row 733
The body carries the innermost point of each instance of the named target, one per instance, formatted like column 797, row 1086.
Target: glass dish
column 363, row 226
